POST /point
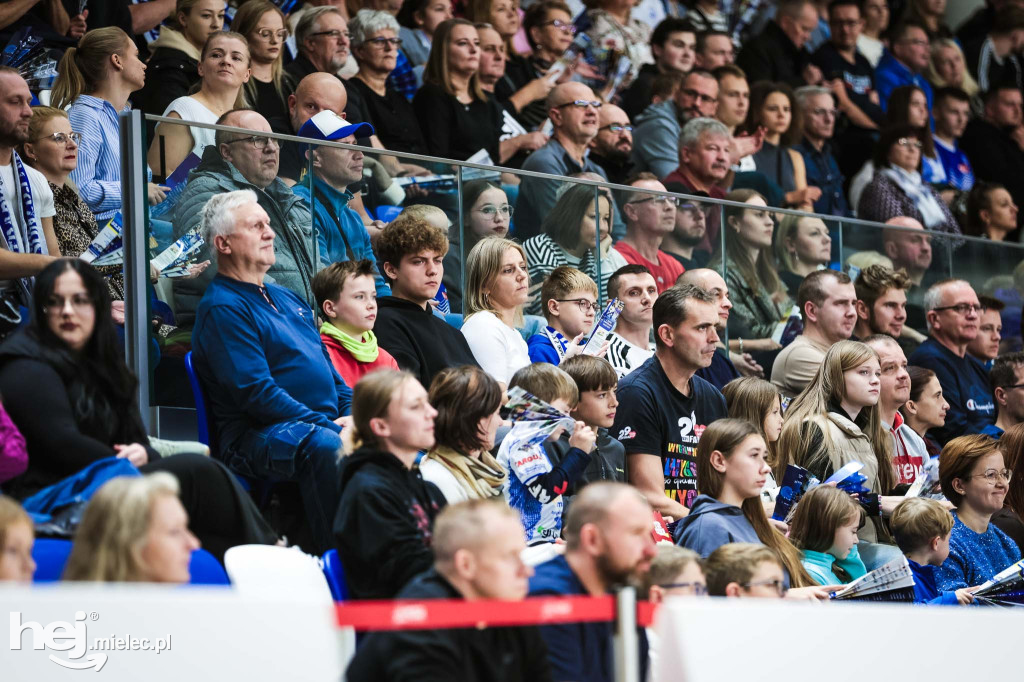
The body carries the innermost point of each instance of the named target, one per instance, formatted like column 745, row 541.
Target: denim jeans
column 300, row 452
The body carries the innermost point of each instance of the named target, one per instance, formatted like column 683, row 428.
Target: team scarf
column 15, row 240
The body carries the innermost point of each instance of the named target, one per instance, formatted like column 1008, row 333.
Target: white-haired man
column 274, row 396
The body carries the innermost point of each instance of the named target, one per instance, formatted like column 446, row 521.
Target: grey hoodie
column 712, row 524
column 656, row 139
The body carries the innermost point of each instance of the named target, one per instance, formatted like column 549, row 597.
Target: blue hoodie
column 926, row 590
column 711, row 524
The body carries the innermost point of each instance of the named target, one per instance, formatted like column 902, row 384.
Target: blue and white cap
column 327, row 125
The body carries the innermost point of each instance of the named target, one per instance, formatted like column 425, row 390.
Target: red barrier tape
column 451, row 613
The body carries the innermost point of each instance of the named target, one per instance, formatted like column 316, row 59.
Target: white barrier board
column 133, row 633
column 741, row 640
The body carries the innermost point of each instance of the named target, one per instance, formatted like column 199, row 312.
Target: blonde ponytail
column 82, row 69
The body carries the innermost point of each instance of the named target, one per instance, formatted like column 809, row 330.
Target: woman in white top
column 467, row 400
column 223, row 68
column 497, row 285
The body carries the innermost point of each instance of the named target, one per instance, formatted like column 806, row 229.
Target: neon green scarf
column 362, row 351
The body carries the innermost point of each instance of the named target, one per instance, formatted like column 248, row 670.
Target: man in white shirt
column 27, row 240
column 629, row 346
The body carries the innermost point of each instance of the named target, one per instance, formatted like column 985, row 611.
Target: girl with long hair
column 926, row 408
column 265, row 28
column 835, row 420
column 731, row 470
column 386, row 509
column 824, row 527
column 760, row 403
column 486, row 212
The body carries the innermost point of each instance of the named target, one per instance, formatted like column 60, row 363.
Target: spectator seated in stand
column 77, row 405
column 612, row 147
column 802, row 246
column 881, row 302
column 657, row 130
column 265, row 27
column 649, row 218
column 714, row 45
column 745, row 570
column 778, row 53
column 704, row 163
column 1006, row 373
column 952, row 112
column 323, row 42
column 468, row 403
column 384, row 521
column 577, row 231
column 673, row 44
column 690, row 228
column 926, row 408
column 134, row 529
column 922, row 528
column 827, row 302
column 608, row 542
column 985, row 346
column 993, row 141
column 630, row 345
column 347, row 302
column 486, row 212
column 569, row 300
column 276, row 401
column 411, row 254
column 419, row 19
column 954, row 312
column 995, row 59
column 476, row 547
column 904, row 62
column 17, row 535
column 821, row 167
column 721, row 370
column 824, row 527
column 975, row 479
column 239, row 162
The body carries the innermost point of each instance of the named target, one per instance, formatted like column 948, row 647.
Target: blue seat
column 202, row 416
column 335, row 574
column 51, row 556
column 388, row 213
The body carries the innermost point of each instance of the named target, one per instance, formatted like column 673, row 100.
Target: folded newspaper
column 1005, row 588
column 893, row 581
column 174, row 261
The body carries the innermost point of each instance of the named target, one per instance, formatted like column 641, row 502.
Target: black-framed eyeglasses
column 617, row 128
column 585, row 305
column 1010, row 388
column 962, row 308
column 333, row 34
column 562, row 26
column 909, row 142
column 62, row 138
column 582, row 104
column 258, row 141
column 693, row 94
column 699, row 589
column 382, row 42
column 778, row 585
column 992, row 475
column 268, row 33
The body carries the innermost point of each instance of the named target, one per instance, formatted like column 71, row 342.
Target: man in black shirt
column 323, row 41
column 778, row 53
column 994, row 143
column 851, row 78
column 673, row 44
column 681, row 243
column 477, row 547
column 664, row 408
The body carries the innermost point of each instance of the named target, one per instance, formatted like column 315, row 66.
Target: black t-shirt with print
column 656, row 419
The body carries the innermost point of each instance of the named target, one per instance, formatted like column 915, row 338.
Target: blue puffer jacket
column 295, row 247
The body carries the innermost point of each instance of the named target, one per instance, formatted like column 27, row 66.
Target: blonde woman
column 802, row 245
column 264, row 26
column 386, row 509
column 94, row 81
column 835, row 421
column 174, row 55
column 224, row 70
column 497, row 286
column 134, row 530
column 948, row 68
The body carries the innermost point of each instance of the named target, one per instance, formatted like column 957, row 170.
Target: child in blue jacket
column 922, row 527
column 824, row 527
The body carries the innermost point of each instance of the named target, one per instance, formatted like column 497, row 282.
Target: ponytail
column 371, row 398
column 82, row 69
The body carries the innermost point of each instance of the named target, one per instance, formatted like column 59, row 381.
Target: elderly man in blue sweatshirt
column 608, row 543
column 275, row 399
column 954, row 315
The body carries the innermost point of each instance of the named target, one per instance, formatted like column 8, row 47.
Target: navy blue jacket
column 823, row 173
column 964, row 386
column 577, row 651
column 262, row 366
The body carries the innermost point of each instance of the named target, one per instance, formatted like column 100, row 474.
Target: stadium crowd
column 356, row 326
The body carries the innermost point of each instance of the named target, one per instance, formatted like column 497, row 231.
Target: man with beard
column 827, row 302
column 611, row 147
column 656, row 142
column 704, row 162
column 664, row 408
column 881, row 301
column 323, row 42
column 27, row 239
column 909, row 453
column 608, row 544
column 953, row 313
column 681, row 242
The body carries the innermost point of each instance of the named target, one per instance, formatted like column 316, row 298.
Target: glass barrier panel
column 991, row 269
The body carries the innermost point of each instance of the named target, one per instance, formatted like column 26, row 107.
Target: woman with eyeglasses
column 76, row 405
column 461, row 117
column 264, row 27
column 174, row 55
column 419, row 19
column 975, row 478
column 578, row 233
column 773, row 107
column 898, row 189
column 52, row 149
column 486, row 212
column 224, row 70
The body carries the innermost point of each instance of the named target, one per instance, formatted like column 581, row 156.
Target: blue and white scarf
column 21, row 236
